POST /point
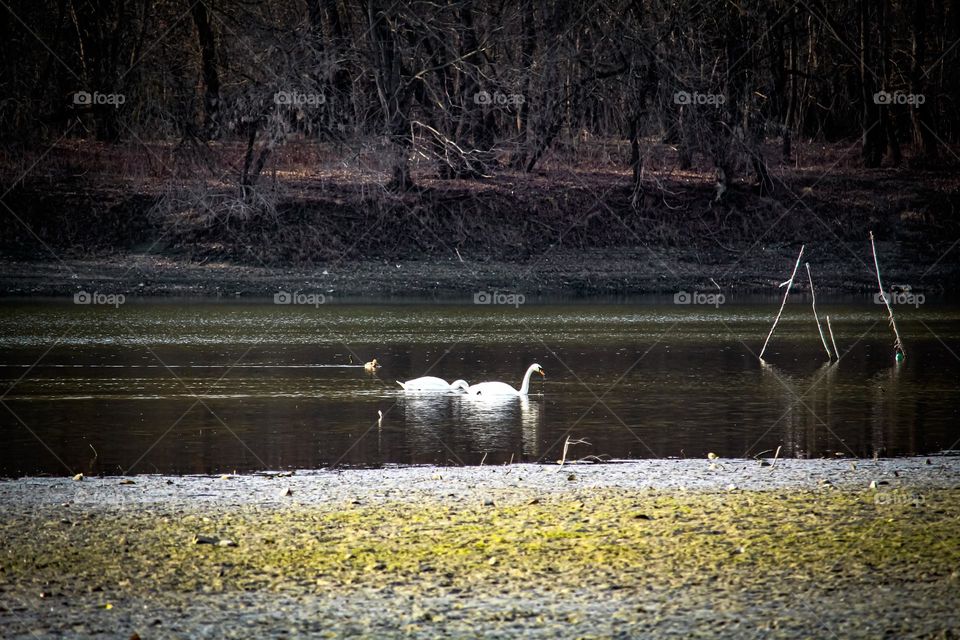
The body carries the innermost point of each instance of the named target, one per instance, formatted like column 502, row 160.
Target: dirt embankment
column 580, row 230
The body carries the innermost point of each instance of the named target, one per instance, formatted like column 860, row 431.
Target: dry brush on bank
column 320, row 204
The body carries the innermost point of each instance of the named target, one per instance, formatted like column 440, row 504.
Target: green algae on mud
column 604, row 539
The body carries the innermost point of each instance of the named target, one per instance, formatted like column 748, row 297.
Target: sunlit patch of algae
column 603, row 539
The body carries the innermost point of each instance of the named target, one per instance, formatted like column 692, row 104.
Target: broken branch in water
column 789, row 284
column 566, row 447
column 813, row 302
column 897, row 344
column 834, row 342
column 600, row 459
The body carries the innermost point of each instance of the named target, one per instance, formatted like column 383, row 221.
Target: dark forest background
column 309, row 120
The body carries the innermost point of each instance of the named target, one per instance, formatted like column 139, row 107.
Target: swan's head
column 538, row 369
column 459, row 385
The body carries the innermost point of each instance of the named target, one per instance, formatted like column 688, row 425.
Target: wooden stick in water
column 834, row 342
column 789, row 284
column 897, row 344
column 813, row 302
column 566, row 447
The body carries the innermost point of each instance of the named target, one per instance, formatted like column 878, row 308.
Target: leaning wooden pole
column 789, row 284
column 832, row 341
column 813, row 302
column 897, row 343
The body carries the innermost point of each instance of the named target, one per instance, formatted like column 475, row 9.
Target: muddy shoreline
column 657, row 548
column 561, row 273
column 413, row 483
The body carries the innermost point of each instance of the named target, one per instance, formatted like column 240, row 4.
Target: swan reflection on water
column 432, row 384
column 482, row 423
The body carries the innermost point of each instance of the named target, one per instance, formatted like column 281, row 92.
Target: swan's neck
column 525, row 387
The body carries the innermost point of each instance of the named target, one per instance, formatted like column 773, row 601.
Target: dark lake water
column 181, row 387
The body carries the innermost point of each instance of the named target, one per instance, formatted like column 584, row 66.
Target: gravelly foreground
column 664, row 548
column 465, row 483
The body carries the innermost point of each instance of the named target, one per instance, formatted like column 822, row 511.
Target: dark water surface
column 182, row 387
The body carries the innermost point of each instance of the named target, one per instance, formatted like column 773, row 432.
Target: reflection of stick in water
column 813, row 302
column 897, row 344
column 832, row 341
column 789, row 284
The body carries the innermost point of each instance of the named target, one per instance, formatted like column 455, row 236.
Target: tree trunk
column 247, row 180
column 211, row 77
column 527, row 51
column 474, row 133
column 779, row 52
column 923, row 131
column 393, row 93
column 874, row 142
column 887, row 117
column 102, row 40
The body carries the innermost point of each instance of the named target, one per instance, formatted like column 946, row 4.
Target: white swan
column 502, row 388
column 431, row 383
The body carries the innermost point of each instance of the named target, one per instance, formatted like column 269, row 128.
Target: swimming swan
column 431, row 383
column 502, row 388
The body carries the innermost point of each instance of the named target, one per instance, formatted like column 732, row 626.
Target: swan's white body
column 502, row 388
column 431, row 383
